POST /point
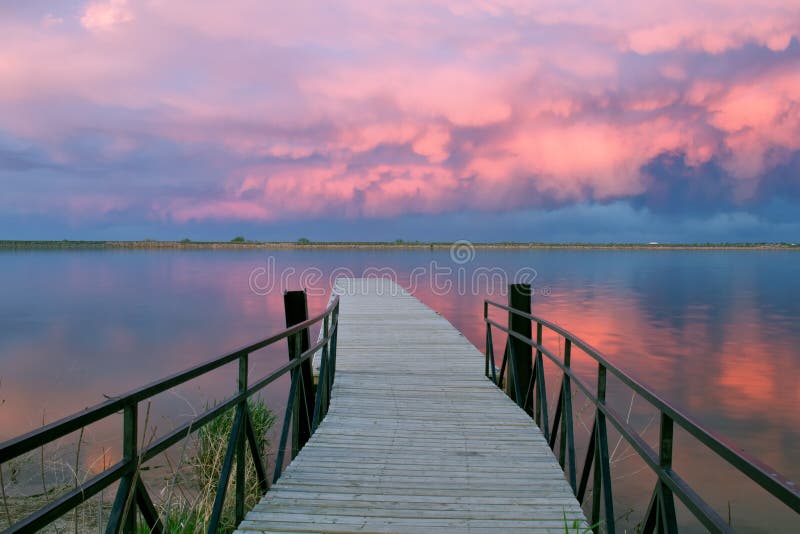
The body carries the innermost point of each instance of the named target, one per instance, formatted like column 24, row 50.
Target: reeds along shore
column 182, row 481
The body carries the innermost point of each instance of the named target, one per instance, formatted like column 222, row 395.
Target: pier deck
column 416, row 438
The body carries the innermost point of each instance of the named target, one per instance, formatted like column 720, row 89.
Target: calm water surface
column 716, row 333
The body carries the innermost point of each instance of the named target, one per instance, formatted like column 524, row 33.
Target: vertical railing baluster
column 602, row 478
column 596, row 489
column 332, row 351
column 130, row 453
column 587, row 464
column 225, row 471
column 123, row 514
column 541, row 404
column 326, row 352
column 490, row 348
column 512, row 370
column 287, row 421
column 501, row 378
column 537, row 408
column 297, row 421
column 240, row 440
column 147, row 508
column 488, row 334
column 534, row 396
column 256, row 451
column 567, row 428
column 322, row 381
column 557, row 423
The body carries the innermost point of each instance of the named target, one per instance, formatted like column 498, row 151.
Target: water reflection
column 714, row 333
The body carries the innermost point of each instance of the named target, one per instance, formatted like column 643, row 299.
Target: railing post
column 130, row 453
column 519, row 298
column 541, row 390
column 326, row 355
column 332, row 346
column 240, row 441
column 602, row 462
column 567, row 430
column 123, row 512
column 296, row 310
column 320, row 400
column 488, row 333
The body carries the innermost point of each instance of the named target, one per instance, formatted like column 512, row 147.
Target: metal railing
column 132, row 493
column 660, row 515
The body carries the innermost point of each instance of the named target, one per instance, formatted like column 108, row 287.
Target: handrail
column 125, row 470
column 660, row 515
column 27, row 442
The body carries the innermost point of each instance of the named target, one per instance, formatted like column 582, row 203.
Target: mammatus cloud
column 191, row 111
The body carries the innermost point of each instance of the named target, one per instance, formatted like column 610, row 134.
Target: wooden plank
column 416, row 439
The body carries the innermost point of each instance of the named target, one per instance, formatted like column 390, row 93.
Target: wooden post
column 296, row 311
column 519, row 298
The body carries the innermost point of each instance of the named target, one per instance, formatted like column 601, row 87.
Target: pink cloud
column 462, row 96
column 433, row 143
column 358, row 109
column 104, row 16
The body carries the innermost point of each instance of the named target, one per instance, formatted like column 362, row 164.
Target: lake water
column 716, row 333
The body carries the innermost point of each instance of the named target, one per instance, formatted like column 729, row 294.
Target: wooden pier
column 413, row 433
column 416, row 438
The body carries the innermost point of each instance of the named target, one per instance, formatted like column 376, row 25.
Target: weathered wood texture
column 416, row 440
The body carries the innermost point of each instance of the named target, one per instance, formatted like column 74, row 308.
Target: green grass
column 188, row 509
column 577, row 526
column 183, row 496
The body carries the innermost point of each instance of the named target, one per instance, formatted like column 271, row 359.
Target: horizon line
column 301, row 243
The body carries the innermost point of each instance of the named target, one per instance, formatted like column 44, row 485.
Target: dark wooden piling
column 295, row 306
column 519, row 298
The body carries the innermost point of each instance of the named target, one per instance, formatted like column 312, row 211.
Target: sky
column 556, row 120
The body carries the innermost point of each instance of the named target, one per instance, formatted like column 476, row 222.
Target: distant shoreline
column 376, row 245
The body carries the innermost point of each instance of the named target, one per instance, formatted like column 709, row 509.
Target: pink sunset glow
column 381, row 109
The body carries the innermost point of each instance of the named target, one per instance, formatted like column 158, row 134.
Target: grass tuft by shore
column 183, row 493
